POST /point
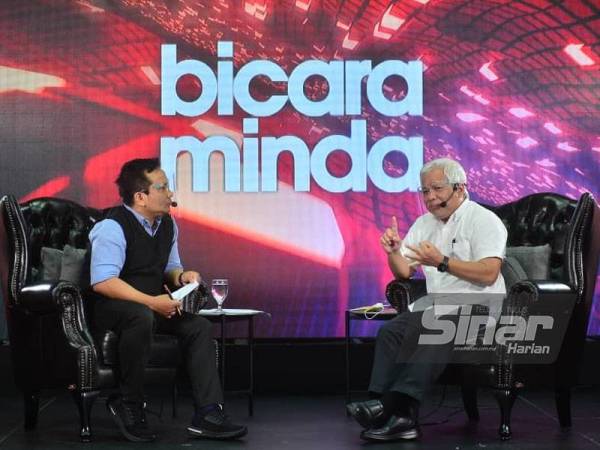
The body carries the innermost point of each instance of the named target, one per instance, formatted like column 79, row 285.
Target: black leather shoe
column 216, row 425
column 396, row 428
column 131, row 420
column 368, row 414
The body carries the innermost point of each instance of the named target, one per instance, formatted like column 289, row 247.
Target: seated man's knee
column 197, row 325
column 142, row 317
column 404, row 323
column 386, row 330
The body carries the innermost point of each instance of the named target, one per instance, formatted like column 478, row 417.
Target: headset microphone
column 174, row 204
column 445, row 202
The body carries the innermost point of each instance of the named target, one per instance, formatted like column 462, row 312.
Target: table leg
column 251, row 365
column 223, row 353
column 348, row 399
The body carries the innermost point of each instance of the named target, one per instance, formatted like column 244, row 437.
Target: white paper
column 369, row 308
column 230, row 312
column 180, row 293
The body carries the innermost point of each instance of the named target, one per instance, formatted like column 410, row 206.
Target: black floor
column 317, row 422
column 313, row 421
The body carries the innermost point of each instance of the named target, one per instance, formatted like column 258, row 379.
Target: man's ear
column 138, row 198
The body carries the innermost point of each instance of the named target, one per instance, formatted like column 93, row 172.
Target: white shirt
column 471, row 233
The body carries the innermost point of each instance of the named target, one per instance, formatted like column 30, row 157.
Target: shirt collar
column 456, row 215
column 460, row 211
column 142, row 220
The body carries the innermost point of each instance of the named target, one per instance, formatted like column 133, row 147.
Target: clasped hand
column 426, row 254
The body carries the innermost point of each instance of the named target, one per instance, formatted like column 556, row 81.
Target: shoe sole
column 198, row 433
column 405, row 435
column 130, row 437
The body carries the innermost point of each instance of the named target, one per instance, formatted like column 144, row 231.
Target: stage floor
column 316, row 422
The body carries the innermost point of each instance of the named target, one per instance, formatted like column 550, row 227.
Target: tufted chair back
column 54, row 222
column 540, row 219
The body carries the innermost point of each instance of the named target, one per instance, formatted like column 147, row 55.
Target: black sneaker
column 216, row 425
column 131, row 419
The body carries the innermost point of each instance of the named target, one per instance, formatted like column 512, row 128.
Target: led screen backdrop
column 509, row 88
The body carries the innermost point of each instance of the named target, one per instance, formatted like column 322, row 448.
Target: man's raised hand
column 390, row 240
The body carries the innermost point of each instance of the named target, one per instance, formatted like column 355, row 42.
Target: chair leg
column 506, row 399
column 31, row 401
column 563, row 406
column 174, row 394
column 85, row 401
column 469, row 397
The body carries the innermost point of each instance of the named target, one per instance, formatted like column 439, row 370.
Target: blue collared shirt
column 109, row 245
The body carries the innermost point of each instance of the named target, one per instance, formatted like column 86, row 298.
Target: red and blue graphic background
column 511, row 89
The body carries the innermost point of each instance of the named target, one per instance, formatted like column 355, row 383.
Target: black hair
column 132, row 177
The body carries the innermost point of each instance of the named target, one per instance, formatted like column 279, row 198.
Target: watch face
column 443, row 267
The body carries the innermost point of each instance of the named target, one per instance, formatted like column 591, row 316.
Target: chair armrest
column 401, row 293
column 64, row 299
column 59, row 297
column 43, row 297
column 544, row 287
column 539, row 294
column 520, row 297
column 543, row 297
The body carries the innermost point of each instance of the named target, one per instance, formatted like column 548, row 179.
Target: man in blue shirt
column 134, row 253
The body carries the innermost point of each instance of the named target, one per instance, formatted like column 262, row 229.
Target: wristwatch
column 443, row 266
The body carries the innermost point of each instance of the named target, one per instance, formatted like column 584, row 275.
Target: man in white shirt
column 460, row 246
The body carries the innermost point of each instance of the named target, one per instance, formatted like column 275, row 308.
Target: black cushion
column 534, row 260
column 75, row 266
column 51, row 262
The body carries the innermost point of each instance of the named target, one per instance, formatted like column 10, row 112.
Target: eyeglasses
column 160, row 187
column 436, row 188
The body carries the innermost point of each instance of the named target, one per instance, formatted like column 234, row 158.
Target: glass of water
column 219, row 290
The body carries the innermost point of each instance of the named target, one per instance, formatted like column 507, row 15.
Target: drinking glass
column 219, row 290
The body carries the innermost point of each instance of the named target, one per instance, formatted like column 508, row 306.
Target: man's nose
column 429, row 193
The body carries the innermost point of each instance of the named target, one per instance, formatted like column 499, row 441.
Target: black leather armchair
column 572, row 228
column 51, row 341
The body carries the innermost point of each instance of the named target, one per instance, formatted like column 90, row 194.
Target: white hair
column 454, row 172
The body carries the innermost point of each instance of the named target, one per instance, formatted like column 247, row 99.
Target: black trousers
column 403, row 365
column 135, row 325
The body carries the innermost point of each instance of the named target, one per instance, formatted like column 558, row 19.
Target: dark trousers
column 403, row 365
column 135, row 325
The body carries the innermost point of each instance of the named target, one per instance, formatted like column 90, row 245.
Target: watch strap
column 443, row 266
